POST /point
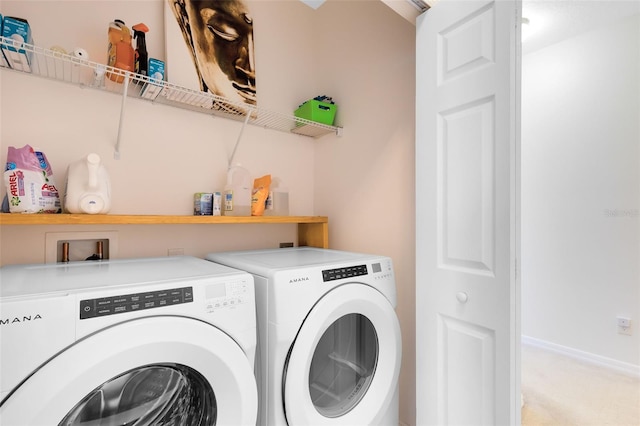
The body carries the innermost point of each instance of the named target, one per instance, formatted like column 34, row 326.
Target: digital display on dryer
column 92, row 308
column 341, row 273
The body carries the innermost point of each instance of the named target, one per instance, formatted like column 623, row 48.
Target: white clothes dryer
column 329, row 343
column 151, row 341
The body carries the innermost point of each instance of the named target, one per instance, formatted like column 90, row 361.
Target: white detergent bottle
column 237, row 192
column 278, row 201
column 88, row 187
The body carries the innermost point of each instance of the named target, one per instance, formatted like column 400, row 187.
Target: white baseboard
column 623, row 367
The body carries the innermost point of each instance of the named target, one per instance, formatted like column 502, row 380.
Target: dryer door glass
column 343, row 365
column 154, row 395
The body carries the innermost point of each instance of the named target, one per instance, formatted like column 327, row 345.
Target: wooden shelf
column 115, row 219
column 312, row 230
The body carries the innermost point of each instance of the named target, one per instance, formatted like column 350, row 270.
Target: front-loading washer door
column 151, row 371
column 343, row 367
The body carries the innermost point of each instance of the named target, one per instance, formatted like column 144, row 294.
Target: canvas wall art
column 210, row 48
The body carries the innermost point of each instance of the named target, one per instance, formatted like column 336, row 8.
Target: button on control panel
column 340, row 273
column 93, row 308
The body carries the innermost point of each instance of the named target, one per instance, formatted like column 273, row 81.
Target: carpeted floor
column 563, row 391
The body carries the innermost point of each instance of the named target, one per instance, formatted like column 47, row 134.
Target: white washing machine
column 329, row 343
column 154, row 341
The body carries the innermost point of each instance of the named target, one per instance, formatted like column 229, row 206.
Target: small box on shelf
column 152, row 89
column 17, row 33
column 318, row 111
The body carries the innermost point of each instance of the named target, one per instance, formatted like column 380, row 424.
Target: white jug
column 88, row 187
column 237, row 192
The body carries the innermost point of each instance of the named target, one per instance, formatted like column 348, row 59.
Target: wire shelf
column 70, row 69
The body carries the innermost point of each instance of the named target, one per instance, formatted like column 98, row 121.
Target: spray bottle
column 142, row 58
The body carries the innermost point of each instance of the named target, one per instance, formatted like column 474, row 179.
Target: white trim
column 632, row 370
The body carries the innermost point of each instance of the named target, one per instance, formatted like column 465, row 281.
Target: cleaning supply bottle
column 278, row 201
column 142, row 58
column 120, row 51
column 115, row 35
column 88, row 188
column 237, row 192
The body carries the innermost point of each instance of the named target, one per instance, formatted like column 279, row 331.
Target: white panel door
column 467, row 148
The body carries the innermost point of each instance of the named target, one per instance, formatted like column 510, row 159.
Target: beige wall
column 364, row 181
column 359, row 52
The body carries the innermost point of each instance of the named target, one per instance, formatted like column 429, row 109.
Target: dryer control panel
column 341, row 273
column 92, row 308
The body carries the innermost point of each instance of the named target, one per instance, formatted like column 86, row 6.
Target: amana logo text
column 14, row 320
column 298, row 280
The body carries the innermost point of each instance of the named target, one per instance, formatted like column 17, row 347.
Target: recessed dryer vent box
column 82, row 245
column 16, row 32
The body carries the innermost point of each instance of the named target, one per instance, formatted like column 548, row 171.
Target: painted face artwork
column 220, row 36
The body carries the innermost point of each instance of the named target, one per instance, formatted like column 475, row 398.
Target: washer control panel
column 341, row 273
column 227, row 296
column 93, row 308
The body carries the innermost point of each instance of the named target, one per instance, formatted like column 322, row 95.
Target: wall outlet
column 81, row 245
column 624, row 326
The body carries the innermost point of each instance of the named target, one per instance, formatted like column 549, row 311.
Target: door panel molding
column 476, row 30
column 466, row 187
column 467, row 363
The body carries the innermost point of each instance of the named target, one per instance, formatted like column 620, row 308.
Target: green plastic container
column 320, row 112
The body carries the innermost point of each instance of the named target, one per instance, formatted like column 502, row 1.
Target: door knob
column 462, row 297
